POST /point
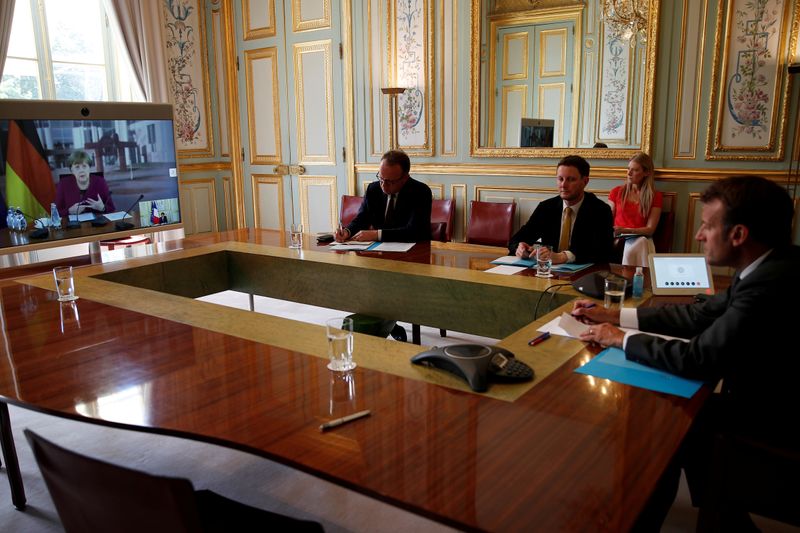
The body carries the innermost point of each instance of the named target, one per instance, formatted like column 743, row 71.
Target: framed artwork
column 750, row 85
column 187, row 73
column 413, row 62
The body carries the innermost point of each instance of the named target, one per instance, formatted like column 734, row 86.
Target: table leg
column 10, row 455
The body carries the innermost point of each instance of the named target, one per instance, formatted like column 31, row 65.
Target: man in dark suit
column 396, row 207
column 577, row 224
column 742, row 335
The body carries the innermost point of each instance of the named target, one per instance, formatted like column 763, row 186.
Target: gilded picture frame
column 751, row 88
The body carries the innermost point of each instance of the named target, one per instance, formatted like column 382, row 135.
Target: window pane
column 20, row 79
column 79, row 82
column 22, row 43
column 76, row 30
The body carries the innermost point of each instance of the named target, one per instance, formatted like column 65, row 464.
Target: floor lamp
column 393, row 92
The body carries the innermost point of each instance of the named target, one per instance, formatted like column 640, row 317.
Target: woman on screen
column 82, row 190
column 636, row 207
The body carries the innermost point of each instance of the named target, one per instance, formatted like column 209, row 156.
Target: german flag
column 29, row 181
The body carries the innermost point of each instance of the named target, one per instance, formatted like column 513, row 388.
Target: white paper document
column 506, row 270
column 393, row 247
column 117, row 215
column 351, row 245
column 568, row 326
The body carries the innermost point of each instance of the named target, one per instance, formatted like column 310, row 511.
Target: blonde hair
column 647, row 189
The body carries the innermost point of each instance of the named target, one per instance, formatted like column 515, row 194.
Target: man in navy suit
column 577, row 224
column 742, row 335
column 396, row 207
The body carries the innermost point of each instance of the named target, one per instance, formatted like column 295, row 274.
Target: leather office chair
column 490, row 223
column 752, row 476
column 444, row 211
column 662, row 237
column 92, row 495
column 350, row 207
column 439, row 231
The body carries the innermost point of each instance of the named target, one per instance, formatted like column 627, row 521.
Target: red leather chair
column 444, row 211
column 350, row 207
column 662, row 237
column 490, row 223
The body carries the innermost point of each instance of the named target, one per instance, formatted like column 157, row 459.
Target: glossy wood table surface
column 574, row 453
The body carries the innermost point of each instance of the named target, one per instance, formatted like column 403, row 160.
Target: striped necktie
column 566, row 228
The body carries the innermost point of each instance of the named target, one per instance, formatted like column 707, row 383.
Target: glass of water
column 65, row 284
column 614, row 294
column 544, row 261
column 296, row 234
column 340, row 343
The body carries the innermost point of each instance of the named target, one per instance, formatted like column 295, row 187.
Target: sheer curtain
column 6, row 16
column 140, row 26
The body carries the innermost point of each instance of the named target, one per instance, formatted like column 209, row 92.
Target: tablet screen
column 680, row 274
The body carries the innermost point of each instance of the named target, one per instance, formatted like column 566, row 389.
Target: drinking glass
column 340, row 343
column 296, row 234
column 614, row 294
column 544, row 261
column 65, row 284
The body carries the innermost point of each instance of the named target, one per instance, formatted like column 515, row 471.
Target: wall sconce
column 392, row 92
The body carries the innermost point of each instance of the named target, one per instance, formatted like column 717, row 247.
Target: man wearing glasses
column 396, row 208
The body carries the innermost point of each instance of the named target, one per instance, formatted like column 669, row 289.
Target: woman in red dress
column 636, row 207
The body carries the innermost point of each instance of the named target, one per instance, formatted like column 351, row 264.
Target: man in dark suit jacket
column 396, row 207
column 740, row 335
column 591, row 237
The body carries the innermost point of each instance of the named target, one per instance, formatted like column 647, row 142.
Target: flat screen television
column 537, row 132
column 107, row 167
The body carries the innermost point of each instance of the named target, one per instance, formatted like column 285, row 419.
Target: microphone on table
column 121, row 225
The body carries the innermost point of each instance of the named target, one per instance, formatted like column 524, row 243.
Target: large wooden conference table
column 136, row 351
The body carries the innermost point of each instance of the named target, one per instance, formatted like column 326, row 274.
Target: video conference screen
column 106, row 167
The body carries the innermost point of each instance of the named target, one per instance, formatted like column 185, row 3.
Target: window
column 66, row 51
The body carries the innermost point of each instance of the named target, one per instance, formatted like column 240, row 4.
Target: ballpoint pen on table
column 345, row 419
column 541, row 338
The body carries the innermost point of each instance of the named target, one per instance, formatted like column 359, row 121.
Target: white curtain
column 6, row 16
column 140, row 23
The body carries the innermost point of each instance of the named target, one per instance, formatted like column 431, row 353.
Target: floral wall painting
column 187, row 76
column 614, row 90
column 414, row 71
column 750, row 90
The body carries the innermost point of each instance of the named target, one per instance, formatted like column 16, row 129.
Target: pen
column 344, row 420
column 589, row 306
column 541, row 338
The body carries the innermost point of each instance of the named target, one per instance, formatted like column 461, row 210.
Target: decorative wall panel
column 318, row 200
column 311, row 14
column 268, row 201
column 222, row 96
column 258, row 17
column 314, row 96
column 263, row 116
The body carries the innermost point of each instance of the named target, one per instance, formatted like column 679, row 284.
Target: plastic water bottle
column 10, row 218
column 21, row 223
column 55, row 218
column 638, row 283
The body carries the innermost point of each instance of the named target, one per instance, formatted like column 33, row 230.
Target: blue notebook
column 611, row 364
column 514, row 261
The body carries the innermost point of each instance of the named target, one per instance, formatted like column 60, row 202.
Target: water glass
column 340, row 343
column 544, row 261
column 65, row 284
column 296, row 234
column 614, row 294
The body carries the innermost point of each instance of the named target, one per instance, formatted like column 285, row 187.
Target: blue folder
column 518, row 262
column 611, row 364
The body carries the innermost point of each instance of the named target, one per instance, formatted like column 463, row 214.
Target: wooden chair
column 444, row 211
column 490, row 223
column 752, row 476
column 350, row 207
column 662, row 237
column 92, row 495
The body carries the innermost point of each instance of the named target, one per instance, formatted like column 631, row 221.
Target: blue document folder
column 611, row 364
column 570, row 267
column 514, row 261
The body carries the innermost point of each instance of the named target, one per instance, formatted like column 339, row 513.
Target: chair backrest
column 350, row 207
column 490, row 223
column 444, row 211
column 755, row 476
column 92, row 495
column 439, row 231
column 662, row 237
